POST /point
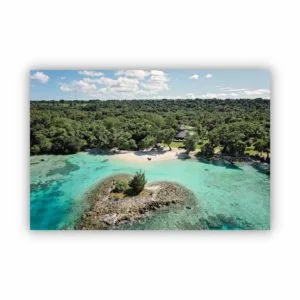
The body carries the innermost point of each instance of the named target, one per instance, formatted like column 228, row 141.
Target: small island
column 123, row 199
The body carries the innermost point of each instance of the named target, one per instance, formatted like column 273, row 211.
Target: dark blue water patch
column 34, row 187
column 263, row 168
column 47, row 215
column 223, row 222
column 47, row 207
column 65, row 170
column 233, row 166
column 219, row 163
column 100, row 168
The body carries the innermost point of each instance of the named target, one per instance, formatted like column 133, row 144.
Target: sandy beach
column 150, row 156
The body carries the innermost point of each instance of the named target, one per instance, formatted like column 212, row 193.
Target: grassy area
column 218, row 149
column 176, row 145
column 251, row 151
column 181, row 145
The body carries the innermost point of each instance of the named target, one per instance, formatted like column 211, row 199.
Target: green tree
column 35, row 149
column 208, row 150
column 167, row 136
column 263, row 145
column 66, row 144
column 138, row 182
column 147, row 142
column 120, row 187
column 237, row 148
column 190, row 143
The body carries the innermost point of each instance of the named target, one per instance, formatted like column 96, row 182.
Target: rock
column 203, row 224
column 228, row 220
column 107, row 212
column 110, row 219
column 142, row 210
column 214, row 223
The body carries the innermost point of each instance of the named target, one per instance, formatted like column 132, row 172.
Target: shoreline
column 150, row 155
column 176, row 153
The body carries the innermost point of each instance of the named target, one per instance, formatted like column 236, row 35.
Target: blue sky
column 149, row 84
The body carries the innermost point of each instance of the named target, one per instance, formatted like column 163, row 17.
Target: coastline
column 145, row 156
column 150, row 155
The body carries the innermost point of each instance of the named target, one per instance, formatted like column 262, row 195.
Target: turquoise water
column 59, row 185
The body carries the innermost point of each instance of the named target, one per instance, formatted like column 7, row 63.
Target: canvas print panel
column 150, row 149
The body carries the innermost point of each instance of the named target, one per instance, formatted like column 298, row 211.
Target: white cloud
column 65, row 88
column 235, row 90
column 214, row 95
column 238, row 93
column 208, row 76
column 230, row 89
column 245, row 92
column 220, row 95
column 190, row 96
column 91, row 73
column 258, row 92
column 158, row 81
column 195, row 76
column 85, row 86
column 157, row 73
column 40, row 76
column 129, row 84
column 79, row 86
column 138, row 74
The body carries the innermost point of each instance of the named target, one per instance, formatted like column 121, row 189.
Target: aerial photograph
column 150, row 149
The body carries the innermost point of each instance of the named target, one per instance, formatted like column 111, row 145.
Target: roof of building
column 181, row 134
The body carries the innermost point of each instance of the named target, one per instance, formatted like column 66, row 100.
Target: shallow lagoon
column 59, row 184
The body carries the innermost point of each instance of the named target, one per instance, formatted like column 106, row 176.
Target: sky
column 149, row 84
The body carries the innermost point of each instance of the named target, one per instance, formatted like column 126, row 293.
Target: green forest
column 233, row 127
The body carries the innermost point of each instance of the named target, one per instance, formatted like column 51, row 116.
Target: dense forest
column 233, row 126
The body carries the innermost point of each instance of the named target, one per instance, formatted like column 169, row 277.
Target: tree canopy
column 64, row 127
column 137, row 183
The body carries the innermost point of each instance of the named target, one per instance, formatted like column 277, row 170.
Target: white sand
column 142, row 156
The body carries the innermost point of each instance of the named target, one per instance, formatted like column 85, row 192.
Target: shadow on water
column 224, row 222
column 53, row 184
column 34, row 187
column 217, row 222
column 210, row 222
column 65, row 170
column 50, row 211
column 219, row 163
column 263, row 168
column 183, row 156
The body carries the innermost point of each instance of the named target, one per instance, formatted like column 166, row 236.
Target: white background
column 149, row 265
